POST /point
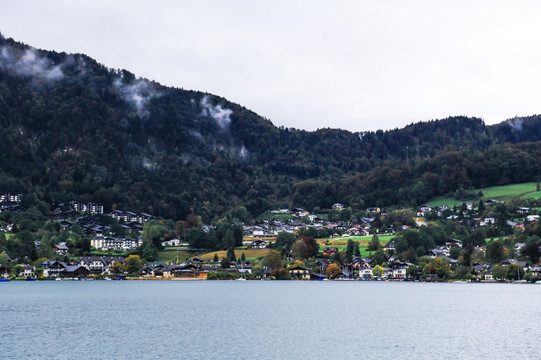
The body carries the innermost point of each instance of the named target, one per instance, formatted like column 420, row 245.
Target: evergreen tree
column 350, row 247
column 356, row 249
column 481, row 207
column 231, row 254
column 374, row 243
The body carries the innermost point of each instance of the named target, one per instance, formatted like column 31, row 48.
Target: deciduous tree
column 133, row 264
column 299, row 250
column 333, row 270
column 285, row 239
column 280, row 274
column 273, row 260
column 495, row 252
column 377, row 271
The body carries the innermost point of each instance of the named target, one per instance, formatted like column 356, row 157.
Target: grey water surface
column 268, row 320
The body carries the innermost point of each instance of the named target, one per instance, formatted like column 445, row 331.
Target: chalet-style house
column 55, row 269
column 60, row 249
column 330, row 250
column 172, row 242
column 454, row 242
column 99, row 264
column 338, row 207
column 259, row 244
column 299, row 272
column 389, row 246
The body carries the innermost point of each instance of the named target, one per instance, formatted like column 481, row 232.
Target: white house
column 399, row 273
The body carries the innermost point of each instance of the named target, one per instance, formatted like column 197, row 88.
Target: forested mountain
column 74, row 129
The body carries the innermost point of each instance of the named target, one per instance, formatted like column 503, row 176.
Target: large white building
column 106, row 243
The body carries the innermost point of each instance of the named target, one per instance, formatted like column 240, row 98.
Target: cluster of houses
column 82, row 267
column 11, row 202
column 93, row 220
column 269, row 229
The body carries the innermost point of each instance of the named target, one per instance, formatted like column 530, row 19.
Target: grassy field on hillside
column 249, row 253
column 169, row 255
column 502, row 193
column 341, row 243
column 532, row 195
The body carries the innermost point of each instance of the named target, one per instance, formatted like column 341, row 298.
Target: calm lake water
column 268, row 320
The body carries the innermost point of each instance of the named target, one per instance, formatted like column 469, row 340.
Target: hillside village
column 341, row 245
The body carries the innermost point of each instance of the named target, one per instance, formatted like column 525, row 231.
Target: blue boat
column 4, row 280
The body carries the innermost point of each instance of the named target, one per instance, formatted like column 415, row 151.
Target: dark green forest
column 75, row 129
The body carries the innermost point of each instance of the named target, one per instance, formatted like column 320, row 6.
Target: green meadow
column 501, row 193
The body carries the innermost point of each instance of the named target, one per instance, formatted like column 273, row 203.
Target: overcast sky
column 356, row 65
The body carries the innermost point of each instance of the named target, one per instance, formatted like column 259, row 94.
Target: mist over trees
column 74, row 129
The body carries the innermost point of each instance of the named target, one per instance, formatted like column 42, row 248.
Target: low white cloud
column 30, row 63
column 137, row 93
column 221, row 115
column 359, row 65
column 516, row 123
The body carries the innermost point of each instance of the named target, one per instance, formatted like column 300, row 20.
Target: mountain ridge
column 75, row 129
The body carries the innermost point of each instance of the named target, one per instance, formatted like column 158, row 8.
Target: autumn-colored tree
column 333, row 270
column 117, row 268
column 191, row 222
column 312, row 247
column 133, row 264
column 297, row 263
column 377, row 271
column 441, row 267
